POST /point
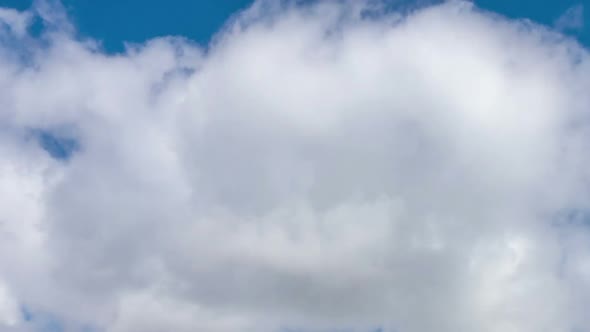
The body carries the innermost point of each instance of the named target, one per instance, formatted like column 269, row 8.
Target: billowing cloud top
column 318, row 167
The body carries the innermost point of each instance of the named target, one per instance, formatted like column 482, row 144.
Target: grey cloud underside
column 316, row 168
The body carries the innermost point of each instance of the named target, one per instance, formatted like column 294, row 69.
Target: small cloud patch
column 572, row 19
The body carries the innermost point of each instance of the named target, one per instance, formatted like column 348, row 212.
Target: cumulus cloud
column 317, row 167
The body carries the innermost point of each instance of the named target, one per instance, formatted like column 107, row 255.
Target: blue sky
column 116, row 21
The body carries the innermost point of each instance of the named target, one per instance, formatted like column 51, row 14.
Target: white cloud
column 313, row 168
column 17, row 22
column 9, row 315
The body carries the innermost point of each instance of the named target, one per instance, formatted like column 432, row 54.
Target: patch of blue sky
column 16, row 4
column 58, row 146
column 26, row 314
column 572, row 217
column 116, row 22
column 41, row 322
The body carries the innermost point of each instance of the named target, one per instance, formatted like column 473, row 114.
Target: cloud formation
column 316, row 167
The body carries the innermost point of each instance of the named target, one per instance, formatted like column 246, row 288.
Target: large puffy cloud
column 334, row 165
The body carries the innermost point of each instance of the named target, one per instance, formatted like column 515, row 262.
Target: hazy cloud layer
column 319, row 167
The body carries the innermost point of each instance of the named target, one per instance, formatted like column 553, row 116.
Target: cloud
column 8, row 308
column 316, row 167
column 571, row 19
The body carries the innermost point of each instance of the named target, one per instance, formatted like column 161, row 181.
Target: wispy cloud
column 571, row 19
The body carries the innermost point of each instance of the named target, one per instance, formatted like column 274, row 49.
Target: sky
column 274, row 166
column 115, row 22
